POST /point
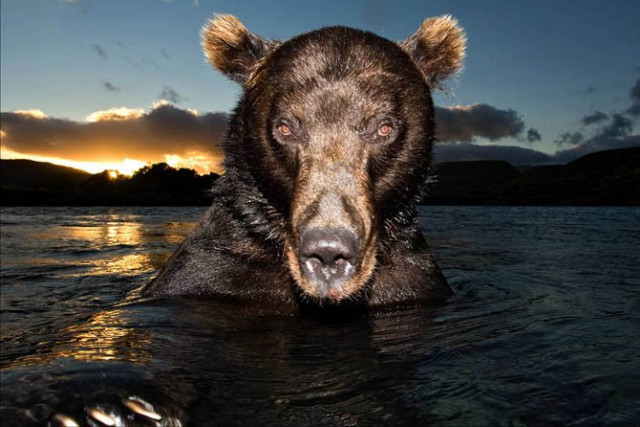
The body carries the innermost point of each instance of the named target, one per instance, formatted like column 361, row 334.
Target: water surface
column 542, row 330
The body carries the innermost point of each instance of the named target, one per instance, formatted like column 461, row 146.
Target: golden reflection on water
column 101, row 338
column 138, row 263
column 109, row 233
column 125, row 265
column 118, row 245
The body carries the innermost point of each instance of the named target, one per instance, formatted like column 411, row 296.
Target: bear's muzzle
column 332, row 247
column 328, row 258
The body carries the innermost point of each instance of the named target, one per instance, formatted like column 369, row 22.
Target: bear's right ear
column 231, row 48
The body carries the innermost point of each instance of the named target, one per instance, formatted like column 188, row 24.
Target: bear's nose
column 328, row 257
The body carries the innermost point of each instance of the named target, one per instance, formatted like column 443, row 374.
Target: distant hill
column 27, row 174
column 471, row 181
column 605, row 178
column 29, row 183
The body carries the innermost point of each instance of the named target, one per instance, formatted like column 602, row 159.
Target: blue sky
column 550, row 63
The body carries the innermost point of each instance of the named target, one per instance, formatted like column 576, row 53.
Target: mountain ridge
column 609, row 177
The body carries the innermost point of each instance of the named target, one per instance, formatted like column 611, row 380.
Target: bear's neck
column 243, row 200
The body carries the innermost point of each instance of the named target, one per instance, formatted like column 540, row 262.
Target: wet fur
column 333, row 81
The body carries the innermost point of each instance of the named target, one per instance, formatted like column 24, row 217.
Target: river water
column 543, row 330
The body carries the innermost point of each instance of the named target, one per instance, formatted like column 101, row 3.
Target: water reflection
column 541, row 332
column 125, row 265
column 108, row 233
column 105, row 336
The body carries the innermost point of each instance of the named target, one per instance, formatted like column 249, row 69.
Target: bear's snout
column 332, row 246
column 328, row 258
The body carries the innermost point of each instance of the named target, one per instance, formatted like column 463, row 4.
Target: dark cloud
column 512, row 154
column 635, row 92
column 619, row 127
column 116, row 135
column 596, row 117
column 165, row 54
column 523, row 156
column 597, row 143
column 572, row 138
column 634, row 110
column 533, row 135
column 110, row 87
column 100, row 51
column 171, row 95
column 464, row 123
column 617, row 133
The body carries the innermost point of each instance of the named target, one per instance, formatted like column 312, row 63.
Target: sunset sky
column 117, row 84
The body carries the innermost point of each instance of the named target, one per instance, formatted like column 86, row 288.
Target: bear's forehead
column 335, row 53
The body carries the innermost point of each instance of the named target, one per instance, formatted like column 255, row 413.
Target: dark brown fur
column 334, row 167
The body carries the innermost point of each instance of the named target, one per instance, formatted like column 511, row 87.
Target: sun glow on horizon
column 116, row 139
column 125, row 167
column 200, row 162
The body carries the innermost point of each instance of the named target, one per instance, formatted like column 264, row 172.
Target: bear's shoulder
column 227, row 254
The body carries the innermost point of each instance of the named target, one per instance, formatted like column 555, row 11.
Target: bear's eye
column 385, row 129
column 283, row 129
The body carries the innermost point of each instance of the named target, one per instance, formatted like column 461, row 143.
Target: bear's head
column 335, row 129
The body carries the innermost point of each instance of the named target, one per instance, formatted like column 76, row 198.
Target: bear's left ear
column 437, row 48
column 231, row 48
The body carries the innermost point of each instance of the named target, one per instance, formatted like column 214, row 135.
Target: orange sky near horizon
column 121, row 139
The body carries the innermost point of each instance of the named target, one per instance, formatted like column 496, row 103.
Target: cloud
column 620, row 126
column 589, row 90
column 117, row 113
column 165, row 54
column 525, row 156
column 617, row 133
column 120, row 133
column 598, row 143
column 466, row 122
column 533, row 135
column 604, row 132
column 110, row 87
column 171, row 95
column 572, row 138
column 512, row 154
column 36, row 114
column 594, row 118
column 100, row 51
column 634, row 110
column 635, row 92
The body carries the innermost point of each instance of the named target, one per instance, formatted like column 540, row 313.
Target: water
column 543, row 329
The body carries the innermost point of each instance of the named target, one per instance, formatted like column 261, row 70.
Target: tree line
column 156, row 184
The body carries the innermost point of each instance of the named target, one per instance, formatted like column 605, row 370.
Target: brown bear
column 325, row 155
